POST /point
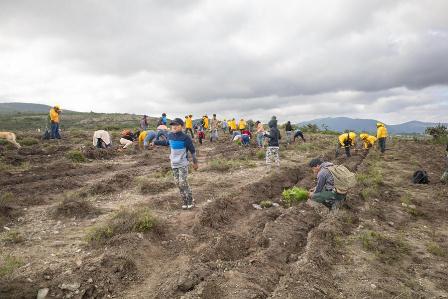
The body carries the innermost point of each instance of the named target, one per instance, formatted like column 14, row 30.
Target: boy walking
column 180, row 144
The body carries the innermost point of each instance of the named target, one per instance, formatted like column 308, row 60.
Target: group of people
column 347, row 140
column 181, row 137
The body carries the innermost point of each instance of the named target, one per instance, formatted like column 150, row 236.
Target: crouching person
column 333, row 183
column 101, row 139
column 180, row 144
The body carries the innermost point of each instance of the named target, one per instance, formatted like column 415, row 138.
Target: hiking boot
column 184, row 207
column 189, row 207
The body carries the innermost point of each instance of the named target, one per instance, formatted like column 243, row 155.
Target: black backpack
column 420, row 177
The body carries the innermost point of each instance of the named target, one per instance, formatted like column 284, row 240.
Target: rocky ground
column 110, row 226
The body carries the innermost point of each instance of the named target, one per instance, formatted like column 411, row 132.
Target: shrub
column 73, row 206
column 28, row 141
column 261, row 154
column 385, row 248
column 435, row 249
column 8, row 264
column 6, row 199
column 294, row 195
column 265, row 204
column 220, row 165
column 76, row 156
column 439, row 133
column 13, row 237
column 152, row 186
column 122, row 222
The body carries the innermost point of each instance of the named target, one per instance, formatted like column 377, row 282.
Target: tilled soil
column 224, row 248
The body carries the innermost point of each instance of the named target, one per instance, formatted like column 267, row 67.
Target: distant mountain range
column 332, row 123
column 6, row 108
column 341, row 124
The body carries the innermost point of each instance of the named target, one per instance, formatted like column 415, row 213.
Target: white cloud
column 296, row 59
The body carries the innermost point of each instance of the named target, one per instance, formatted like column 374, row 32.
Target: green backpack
column 344, row 179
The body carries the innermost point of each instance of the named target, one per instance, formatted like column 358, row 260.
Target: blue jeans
column 55, row 131
column 260, row 139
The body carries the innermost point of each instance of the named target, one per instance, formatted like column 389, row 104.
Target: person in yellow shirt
column 189, row 125
column 381, row 134
column 55, row 120
column 346, row 141
column 368, row 140
column 205, row 122
column 232, row 125
column 242, row 125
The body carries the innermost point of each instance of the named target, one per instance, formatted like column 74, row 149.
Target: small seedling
column 76, row 156
column 265, row 204
column 294, row 195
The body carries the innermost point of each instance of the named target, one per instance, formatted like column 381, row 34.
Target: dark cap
column 315, row 162
column 177, row 121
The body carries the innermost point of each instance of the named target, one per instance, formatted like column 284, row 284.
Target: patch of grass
column 406, row 202
column 435, row 249
column 369, row 192
column 21, row 166
column 8, row 264
column 294, row 195
column 222, row 165
column 154, row 186
column 122, row 222
column 261, row 155
column 385, row 248
column 306, row 147
column 13, row 237
column 6, row 199
column 76, row 156
column 370, row 181
column 265, row 204
column 73, row 205
column 28, row 141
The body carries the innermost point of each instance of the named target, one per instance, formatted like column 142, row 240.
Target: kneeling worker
column 101, row 139
column 325, row 190
column 368, row 140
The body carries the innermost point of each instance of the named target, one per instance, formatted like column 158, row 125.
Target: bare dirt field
column 84, row 223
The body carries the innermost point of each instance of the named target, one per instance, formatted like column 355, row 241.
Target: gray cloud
column 300, row 59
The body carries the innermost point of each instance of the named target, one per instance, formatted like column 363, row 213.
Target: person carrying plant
column 381, row 134
column 333, row 183
column 180, row 144
column 272, row 152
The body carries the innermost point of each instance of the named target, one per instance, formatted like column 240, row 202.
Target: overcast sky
column 297, row 60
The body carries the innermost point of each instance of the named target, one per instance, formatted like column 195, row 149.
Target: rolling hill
column 368, row 125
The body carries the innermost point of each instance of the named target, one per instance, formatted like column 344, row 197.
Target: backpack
column 344, row 179
column 420, row 177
